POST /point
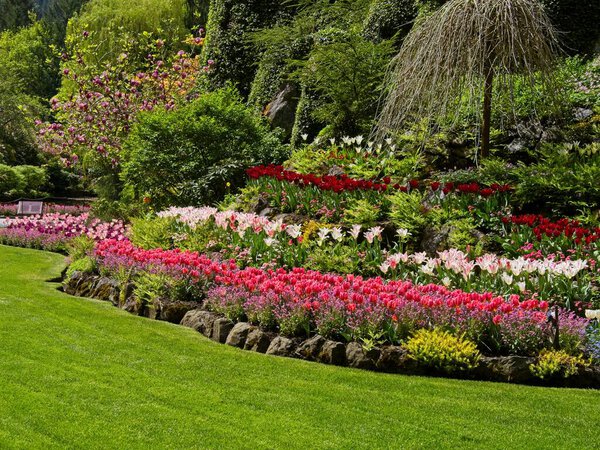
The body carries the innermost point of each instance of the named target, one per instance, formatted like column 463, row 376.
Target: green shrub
column 407, row 211
column 340, row 259
column 387, row 18
column 9, row 179
column 346, row 71
column 557, row 363
column 153, row 232
column 35, row 180
column 197, row 153
column 441, row 350
column 361, row 212
column 80, row 247
column 87, row 264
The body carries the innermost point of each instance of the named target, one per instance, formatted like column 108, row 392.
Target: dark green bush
column 197, row 153
column 388, row 18
column 9, row 179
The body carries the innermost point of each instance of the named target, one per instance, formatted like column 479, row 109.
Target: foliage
column 387, row 18
column 15, row 13
column 87, row 264
column 346, row 71
column 28, row 70
column 155, row 232
column 96, row 117
column 228, row 27
column 339, row 259
column 556, row 364
column 198, row 153
column 113, row 24
column 361, row 211
column 80, row 247
column 9, row 179
column 406, row 211
column 441, row 350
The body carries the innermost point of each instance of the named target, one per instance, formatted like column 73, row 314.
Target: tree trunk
column 487, row 114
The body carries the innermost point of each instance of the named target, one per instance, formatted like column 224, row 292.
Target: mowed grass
column 79, row 373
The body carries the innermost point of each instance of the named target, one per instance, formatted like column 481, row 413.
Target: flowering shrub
column 54, row 231
column 557, row 363
column 441, row 350
column 300, row 301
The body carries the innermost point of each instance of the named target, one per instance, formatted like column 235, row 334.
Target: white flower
column 304, row 136
column 355, row 231
column 389, row 141
column 358, row 139
column 446, row 281
column 402, row 233
column 506, row 278
column 521, row 285
column 332, row 140
column 294, row 231
column 384, row 267
column 337, row 234
column 376, row 231
column 323, row 233
column 270, row 241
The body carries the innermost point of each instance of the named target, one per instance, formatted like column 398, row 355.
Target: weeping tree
column 457, row 58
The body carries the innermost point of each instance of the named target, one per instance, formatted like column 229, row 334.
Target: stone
column 281, row 112
column 333, row 352
column 106, row 289
column 174, row 311
column 257, row 341
column 200, row 320
column 508, row 368
column 392, row 359
column 238, row 334
column 133, row 306
column 221, row 329
column 311, row 348
column 360, row 358
column 281, row 346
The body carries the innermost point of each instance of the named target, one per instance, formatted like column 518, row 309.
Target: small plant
column 438, row 349
column 80, row 247
column 557, row 363
column 361, row 212
column 87, row 264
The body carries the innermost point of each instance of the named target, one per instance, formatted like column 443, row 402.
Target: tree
column 457, row 57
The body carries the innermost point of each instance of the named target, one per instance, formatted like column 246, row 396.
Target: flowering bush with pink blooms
column 53, row 231
column 299, row 301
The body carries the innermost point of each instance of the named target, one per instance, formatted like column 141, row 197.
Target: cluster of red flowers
column 542, row 226
column 311, row 289
column 344, row 183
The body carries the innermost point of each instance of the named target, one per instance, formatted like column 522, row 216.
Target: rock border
column 387, row 358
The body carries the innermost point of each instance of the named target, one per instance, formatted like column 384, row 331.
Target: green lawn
column 81, row 373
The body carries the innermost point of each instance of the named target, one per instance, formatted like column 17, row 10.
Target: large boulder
column 281, row 346
column 311, row 348
column 257, row 341
column 281, row 112
column 106, row 289
column 221, row 329
column 200, row 320
column 333, row 352
column 360, row 358
column 173, row 311
column 506, row 368
column 238, row 334
column 392, row 359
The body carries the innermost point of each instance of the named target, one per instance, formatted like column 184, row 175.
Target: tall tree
column 15, row 13
column 461, row 54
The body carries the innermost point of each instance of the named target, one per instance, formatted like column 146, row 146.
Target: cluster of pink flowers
column 53, row 231
column 331, row 304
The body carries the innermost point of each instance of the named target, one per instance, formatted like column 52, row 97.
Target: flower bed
column 53, row 231
column 360, row 309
